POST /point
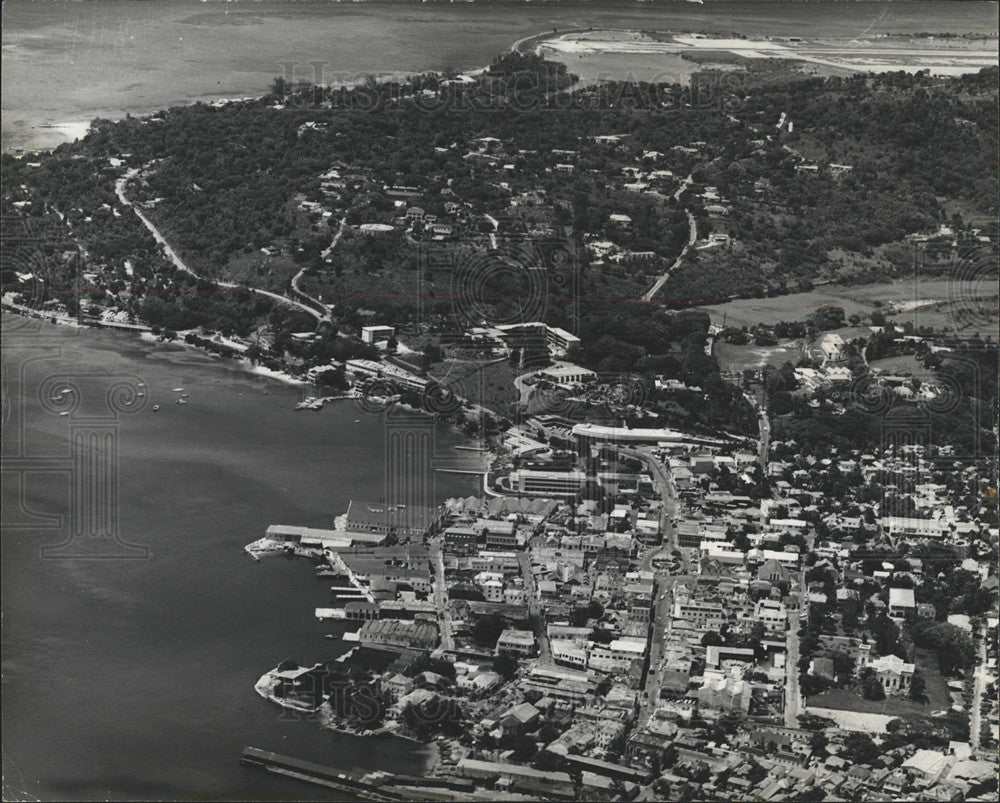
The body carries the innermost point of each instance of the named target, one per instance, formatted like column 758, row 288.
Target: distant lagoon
column 66, row 62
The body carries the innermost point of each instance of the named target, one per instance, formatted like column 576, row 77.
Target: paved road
column 664, row 485
column 180, row 265
column 534, row 608
column 793, row 698
column 297, row 278
column 975, row 717
column 692, row 238
column 441, row 595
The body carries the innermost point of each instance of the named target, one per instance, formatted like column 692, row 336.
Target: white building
column 548, row 483
column 373, row 334
column 516, row 642
column 901, row 602
column 567, row 374
column 832, row 346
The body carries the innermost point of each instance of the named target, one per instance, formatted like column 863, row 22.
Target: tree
column 548, row 733
column 843, row 666
column 827, row 317
column 818, row 743
column 505, row 666
column 918, row 688
column 860, row 748
column 869, row 684
column 487, row 629
column 711, row 639
column 524, row 746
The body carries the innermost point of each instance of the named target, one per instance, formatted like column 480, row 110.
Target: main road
column 979, row 684
column 441, row 595
column 793, row 698
column 534, row 608
column 182, row 266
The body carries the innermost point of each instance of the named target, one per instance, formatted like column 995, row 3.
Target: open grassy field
column 737, row 358
column 353, row 290
column 903, row 365
column 902, row 707
column 935, row 302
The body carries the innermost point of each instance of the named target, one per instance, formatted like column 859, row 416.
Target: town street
column 534, row 608
column 441, row 595
column 793, row 698
column 975, row 716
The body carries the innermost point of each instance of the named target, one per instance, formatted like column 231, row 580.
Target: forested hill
column 225, row 182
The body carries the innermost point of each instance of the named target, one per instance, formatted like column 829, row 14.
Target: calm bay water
column 133, row 679
column 66, row 61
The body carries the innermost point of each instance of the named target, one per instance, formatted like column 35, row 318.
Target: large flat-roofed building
column 548, row 483
column 501, row 540
column 616, row 656
column 309, row 536
column 373, row 334
column 364, row 370
column 907, row 527
column 405, row 521
column 397, row 633
column 561, row 684
column 517, row 642
column 559, row 340
column 460, row 540
column 586, row 434
column 567, row 374
column 700, row 614
column 474, row 768
column 408, row 564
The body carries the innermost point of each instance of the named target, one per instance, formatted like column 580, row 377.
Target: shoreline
column 77, row 129
column 145, row 334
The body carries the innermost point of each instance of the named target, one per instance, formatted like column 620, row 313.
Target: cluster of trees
column 629, row 340
column 961, row 417
column 487, row 630
column 437, row 715
column 955, row 649
column 895, row 188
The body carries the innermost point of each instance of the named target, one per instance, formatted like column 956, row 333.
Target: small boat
column 182, row 401
column 178, row 390
column 142, row 384
column 140, row 395
column 156, row 408
column 329, row 635
column 357, row 420
column 64, row 412
column 184, row 395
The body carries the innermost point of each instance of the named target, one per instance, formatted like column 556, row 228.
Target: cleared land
column 737, row 358
column 638, row 52
column 933, row 302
